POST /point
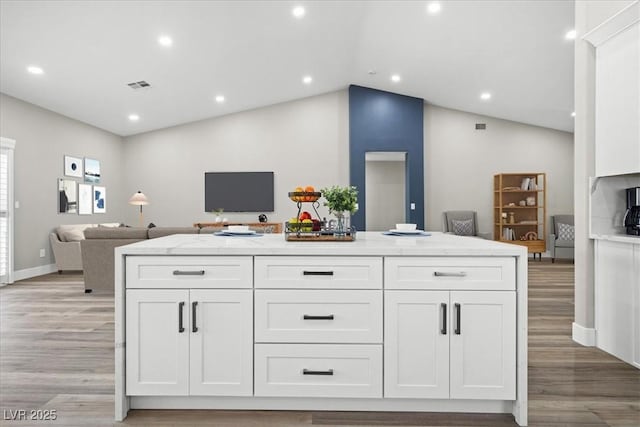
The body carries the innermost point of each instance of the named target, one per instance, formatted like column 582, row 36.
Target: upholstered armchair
column 560, row 243
column 462, row 223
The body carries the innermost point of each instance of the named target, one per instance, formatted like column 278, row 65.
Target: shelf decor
column 519, row 210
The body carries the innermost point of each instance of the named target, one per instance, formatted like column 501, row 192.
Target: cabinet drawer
column 455, row 273
column 318, row 316
column 189, row 272
column 318, row 370
column 318, row 272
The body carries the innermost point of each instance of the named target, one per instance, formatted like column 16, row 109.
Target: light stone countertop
column 367, row 243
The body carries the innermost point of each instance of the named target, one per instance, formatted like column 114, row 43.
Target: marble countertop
column 367, row 243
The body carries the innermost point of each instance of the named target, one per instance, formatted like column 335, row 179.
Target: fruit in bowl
column 307, row 224
column 304, row 215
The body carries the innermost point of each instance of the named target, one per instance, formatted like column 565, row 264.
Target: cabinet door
column 157, row 347
column 416, row 351
column 483, row 345
column 615, row 300
column 221, row 329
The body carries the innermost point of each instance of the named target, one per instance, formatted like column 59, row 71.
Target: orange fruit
column 309, row 189
column 298, row 198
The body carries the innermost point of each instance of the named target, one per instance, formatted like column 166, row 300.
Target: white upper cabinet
column 617, row 43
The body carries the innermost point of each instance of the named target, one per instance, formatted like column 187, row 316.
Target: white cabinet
column 157, row 342
column 617, row 299
column 416, row 351
column 483, row 343
column 617, row 99
column 457, row 344
column 189, row 342
column 221, row 347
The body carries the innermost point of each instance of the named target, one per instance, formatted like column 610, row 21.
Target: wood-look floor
column 56, row 352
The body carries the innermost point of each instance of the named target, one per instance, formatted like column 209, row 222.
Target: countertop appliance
column 632, row 215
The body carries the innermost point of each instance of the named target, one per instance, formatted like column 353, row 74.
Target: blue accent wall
column 385, row 121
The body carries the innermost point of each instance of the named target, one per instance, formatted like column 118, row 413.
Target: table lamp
column 139, row 199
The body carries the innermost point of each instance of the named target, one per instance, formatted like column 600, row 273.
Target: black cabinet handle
column 443, row 308
column 458, row 309
column 317, row 273
column 194, row 328
column 310, row 317
column 188, row 272
column 310, row 372
column 449, row 273
column 180, row 312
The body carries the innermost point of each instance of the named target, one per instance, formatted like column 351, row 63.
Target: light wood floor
column 56, row 352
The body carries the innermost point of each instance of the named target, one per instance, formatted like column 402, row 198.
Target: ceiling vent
column 481, row 126
column 139, row 85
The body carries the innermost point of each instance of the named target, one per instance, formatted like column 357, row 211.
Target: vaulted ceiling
column 256, row 53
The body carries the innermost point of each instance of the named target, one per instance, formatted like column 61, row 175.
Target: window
column 6, row 210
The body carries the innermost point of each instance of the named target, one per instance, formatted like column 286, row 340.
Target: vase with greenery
column 340, row 200
column 218, row 213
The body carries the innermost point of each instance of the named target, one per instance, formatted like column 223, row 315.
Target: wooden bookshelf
column 508, row 212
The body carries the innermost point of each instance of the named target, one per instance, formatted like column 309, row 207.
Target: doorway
column 385, row 189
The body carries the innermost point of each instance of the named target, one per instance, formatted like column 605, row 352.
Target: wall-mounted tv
column 238, row 191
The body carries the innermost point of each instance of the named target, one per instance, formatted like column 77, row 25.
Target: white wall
column 304, row 142
column 460, row 162
column 43, row 138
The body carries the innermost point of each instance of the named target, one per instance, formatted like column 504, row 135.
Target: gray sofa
column 98, row 258
column 65, row 244
column 557, row 247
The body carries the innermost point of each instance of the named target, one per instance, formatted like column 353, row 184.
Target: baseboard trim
column 584, row 336
column 28, row 273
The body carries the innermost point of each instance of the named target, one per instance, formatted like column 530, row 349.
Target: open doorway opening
column 386, row 189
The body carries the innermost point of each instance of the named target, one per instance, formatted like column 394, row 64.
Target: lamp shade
column 139, row 199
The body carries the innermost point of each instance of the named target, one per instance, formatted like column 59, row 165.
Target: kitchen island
column 385, row 323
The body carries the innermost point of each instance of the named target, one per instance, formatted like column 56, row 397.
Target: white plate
column 406, row 231
column 238, row 232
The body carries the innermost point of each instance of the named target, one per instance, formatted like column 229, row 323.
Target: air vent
column 481, row 126
column 139, row 85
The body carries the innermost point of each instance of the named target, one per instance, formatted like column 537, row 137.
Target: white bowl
column 238, row 228
column 405, row 227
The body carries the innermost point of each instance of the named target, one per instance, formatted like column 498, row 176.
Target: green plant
column 340, row 199
column 218, row 211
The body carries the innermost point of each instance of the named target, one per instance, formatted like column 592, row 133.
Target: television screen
column 238, row 191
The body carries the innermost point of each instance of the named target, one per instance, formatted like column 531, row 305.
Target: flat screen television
column 238, row 191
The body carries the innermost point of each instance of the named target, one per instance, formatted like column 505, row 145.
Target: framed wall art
column 85, row 199
column 73, row 166
column 99, row 199
column 67, row 196
column 91, row 171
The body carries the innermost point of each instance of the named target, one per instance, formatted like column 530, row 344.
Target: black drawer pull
column 449, row 274
column 310, row 317
column 188, row 273
column 194, row 328
column 317, row 273
column 310, row 372
column 458, row 309
column 180, row 324
column 443, row 307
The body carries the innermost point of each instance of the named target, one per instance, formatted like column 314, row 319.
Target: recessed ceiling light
column 434, row 8
column 395, row 78
column 35, row 70
column 485, row 96
column 298, row 12
column 165, row 41
column 571, row 35
column 307, row 80
column 134, row 117
column 573, row 114
column 219, row 99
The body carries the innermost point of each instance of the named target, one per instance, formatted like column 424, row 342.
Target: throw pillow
column 566, row 232
column 462, row 228
column 73, row 235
